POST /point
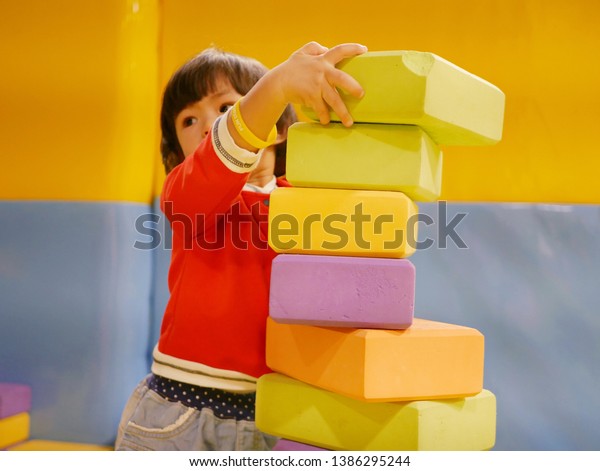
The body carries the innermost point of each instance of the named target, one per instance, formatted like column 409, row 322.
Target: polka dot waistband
column 224, row 404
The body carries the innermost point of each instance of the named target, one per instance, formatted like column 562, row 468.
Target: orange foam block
column 429, row 360
column 299, row 412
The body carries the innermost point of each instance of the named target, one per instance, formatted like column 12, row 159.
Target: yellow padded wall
column 540, row 54
column 79, row 94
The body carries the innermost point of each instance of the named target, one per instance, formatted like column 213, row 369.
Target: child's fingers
column 346, row 82
column 313, row 48
column 321, row 110
column 344, row 51
column 335, row 102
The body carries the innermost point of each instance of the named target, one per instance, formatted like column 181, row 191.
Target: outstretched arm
column 309, row 77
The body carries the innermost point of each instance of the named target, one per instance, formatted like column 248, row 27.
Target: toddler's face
column 194, row 122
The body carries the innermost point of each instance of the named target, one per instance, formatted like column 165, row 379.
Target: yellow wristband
column 246, row 134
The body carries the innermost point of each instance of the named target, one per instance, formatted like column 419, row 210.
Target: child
column 219, row 112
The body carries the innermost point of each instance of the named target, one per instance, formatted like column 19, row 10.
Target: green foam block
column 297, row 411
column 452, row 105
column 367, row 157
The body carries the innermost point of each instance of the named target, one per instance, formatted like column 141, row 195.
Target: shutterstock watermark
column 331, row 232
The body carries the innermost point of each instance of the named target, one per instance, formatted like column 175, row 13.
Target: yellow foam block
column 342, row 222
column 298, row 411
column 52, row 445
column 428, row 360
column 454, row 106
column 365, row 156
column 14, row 429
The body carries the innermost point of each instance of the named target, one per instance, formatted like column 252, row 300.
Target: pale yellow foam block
column 53, row 445
column 365, row 156
column 298, row 411
column 454, row 106
column 14, row 429
column 342, row 222
column 428, row 360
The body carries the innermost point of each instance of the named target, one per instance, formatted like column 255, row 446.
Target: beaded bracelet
column 246, row 134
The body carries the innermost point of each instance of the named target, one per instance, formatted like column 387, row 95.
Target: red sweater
column 214, row 322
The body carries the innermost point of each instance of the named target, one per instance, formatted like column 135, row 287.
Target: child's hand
column 309, row 77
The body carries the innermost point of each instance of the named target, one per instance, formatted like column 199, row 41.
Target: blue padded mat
column 74, row 312
column 529, row 281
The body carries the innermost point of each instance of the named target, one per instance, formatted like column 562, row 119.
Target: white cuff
column 234, row 157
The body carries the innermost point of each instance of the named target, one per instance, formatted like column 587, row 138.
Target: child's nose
column 206, row 127
column 208, row 123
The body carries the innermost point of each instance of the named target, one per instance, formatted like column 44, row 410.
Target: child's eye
column 224, row 108
column 189, row 121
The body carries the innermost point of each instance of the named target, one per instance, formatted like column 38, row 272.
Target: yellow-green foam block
column 342, row 222
column 366, row 156
column 14, row 429
column 298, row 411
column 429, row 360
column 53, row 445
column 452, row 105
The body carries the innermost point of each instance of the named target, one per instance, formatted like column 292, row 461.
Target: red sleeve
column 200, row 188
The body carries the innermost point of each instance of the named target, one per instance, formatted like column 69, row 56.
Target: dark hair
column 196, row 79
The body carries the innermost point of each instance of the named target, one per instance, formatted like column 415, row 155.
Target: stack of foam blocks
column 353, row 368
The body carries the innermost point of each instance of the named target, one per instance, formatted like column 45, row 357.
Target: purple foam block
column 14, row 399
column 289, row 445
column 356, row 292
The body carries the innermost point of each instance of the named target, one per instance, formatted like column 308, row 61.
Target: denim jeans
column 151, row 422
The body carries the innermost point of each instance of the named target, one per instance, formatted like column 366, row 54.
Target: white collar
column 268, row 188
